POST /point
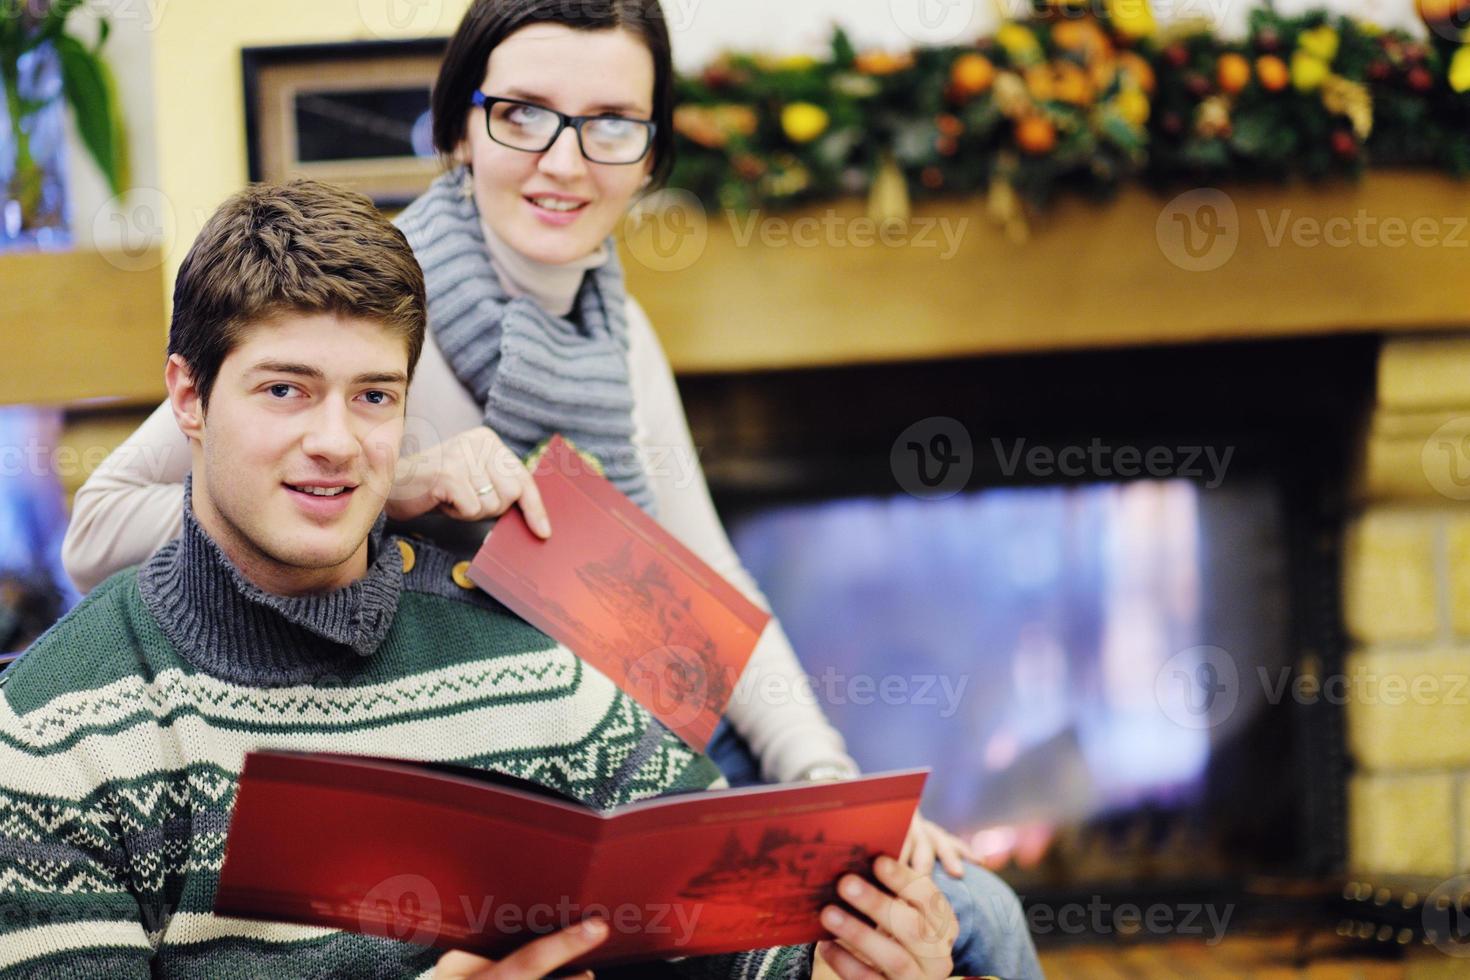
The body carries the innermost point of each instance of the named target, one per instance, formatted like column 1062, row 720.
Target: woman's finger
column 532, row 505
column 922, row 860
column 949, row 850
column 457, row 497
column 487, row 496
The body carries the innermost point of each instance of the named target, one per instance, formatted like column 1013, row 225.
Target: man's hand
column 532, row 961
column 472, row 477
column 914, row 935
column 929, row 840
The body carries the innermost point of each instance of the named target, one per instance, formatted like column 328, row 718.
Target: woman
column 553, row 116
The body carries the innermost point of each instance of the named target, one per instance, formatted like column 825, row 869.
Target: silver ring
column 486, row 490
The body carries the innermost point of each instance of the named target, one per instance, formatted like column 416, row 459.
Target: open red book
column 462, row 858
column 624, row 595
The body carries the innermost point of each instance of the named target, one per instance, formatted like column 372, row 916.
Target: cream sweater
column 132, row 505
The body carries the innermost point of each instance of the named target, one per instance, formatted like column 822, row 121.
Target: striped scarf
column 534, row 373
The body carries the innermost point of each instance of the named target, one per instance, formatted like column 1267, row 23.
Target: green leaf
column 91, row 94
column 843, row 53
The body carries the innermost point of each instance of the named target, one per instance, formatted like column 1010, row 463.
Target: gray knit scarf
column 534, row 373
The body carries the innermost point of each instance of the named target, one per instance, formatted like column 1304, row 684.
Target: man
column 283, row 617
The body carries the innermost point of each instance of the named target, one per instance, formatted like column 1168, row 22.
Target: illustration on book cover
column 681, row 661
column 787, row 876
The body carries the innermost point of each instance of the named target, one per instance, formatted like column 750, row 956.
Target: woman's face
column 580, row 73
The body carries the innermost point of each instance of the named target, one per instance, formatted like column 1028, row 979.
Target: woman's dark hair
column 488, row 22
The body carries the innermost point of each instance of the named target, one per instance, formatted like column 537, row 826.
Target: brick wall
column 1406, row 591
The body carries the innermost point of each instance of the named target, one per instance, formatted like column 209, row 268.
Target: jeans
column 993, row 938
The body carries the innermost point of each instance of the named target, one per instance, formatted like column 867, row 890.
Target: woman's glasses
column 534, row 128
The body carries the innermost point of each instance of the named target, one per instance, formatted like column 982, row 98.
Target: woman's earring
column 467, row 184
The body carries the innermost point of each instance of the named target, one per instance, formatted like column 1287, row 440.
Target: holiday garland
column 1073, row 101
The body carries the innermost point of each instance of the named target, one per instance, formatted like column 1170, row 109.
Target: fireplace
column 1098, row 592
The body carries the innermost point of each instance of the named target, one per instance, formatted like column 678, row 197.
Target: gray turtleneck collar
column 230, row 628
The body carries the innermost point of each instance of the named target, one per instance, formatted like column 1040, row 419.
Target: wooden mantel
column 85, row 325
column 80, row 326
column 1092, row 275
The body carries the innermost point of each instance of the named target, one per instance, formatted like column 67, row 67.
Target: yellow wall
column 199, row 101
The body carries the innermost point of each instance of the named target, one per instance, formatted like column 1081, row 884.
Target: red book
column 624, row 595
column 462, row 858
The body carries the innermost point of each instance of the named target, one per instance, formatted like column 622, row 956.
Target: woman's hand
column 927, row 840
column 914, row 934
column 471, row 477
column 532, row 961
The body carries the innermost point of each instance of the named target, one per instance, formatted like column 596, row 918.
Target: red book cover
column 624, row 595
column 461, row 858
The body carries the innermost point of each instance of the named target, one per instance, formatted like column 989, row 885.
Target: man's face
column 296, row 451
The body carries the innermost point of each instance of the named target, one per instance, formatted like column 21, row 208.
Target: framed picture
column 354, row 114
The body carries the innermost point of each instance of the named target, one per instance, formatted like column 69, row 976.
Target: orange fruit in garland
column 1232, row 72
column 972, row 74
column 1072, row 84
column 1443, row 16
column 1272, row 72
column 1041, row 82
column 1036, row 135
column 1137, row 67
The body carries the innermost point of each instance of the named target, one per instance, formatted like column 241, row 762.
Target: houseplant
column 43, row 68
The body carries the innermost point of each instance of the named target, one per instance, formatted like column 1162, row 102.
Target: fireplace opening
column 1104, row 640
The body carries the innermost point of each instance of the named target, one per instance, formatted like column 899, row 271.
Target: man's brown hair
column 298, row 247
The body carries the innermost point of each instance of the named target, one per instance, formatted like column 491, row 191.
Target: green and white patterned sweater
column 123, row 730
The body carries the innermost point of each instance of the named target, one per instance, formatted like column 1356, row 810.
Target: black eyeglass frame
column 487, row 102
